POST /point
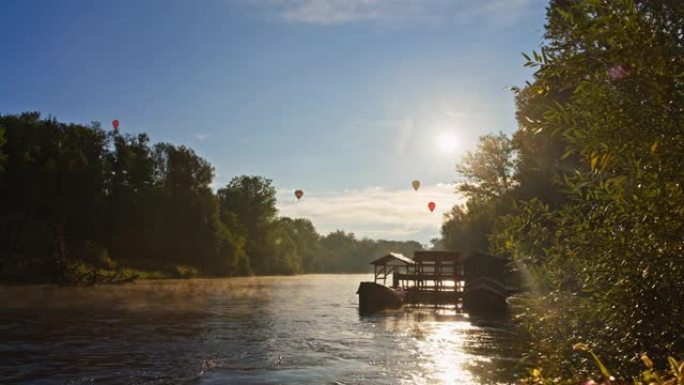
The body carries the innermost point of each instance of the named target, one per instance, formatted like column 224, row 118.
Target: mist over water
column 261, row 330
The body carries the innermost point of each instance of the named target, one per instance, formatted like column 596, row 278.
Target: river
column 259, row 330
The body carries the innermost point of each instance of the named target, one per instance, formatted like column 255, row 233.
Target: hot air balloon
column 115, row 124
column 415, row 184
column 431, row 206
column 299, row 193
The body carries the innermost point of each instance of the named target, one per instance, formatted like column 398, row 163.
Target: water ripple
column 274, row 330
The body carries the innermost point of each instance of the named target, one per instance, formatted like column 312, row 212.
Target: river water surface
column 262, row 330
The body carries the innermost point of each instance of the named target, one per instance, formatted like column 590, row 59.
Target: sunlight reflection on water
column 447, row 360
column 442, row 347
column 274, row 330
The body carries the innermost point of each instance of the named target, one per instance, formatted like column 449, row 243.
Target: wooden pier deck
column 435, row 278
column 477, row 285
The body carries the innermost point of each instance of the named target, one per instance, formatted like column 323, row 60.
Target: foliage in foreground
column 608, row 264
column 595, row 217
column 673, row 374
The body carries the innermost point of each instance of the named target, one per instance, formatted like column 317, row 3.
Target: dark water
column 274, row 330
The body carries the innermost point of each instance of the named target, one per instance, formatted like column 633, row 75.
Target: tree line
column 75, row 198
column 586, row 196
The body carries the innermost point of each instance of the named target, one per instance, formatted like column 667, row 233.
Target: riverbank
column 93, row 274
column 168, row 272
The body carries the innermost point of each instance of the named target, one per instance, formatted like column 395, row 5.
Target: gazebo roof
column 384, row 260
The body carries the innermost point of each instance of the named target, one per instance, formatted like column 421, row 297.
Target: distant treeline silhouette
column 75, row 198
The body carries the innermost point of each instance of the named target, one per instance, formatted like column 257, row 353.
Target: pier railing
column 436, row 278
column 476, row 285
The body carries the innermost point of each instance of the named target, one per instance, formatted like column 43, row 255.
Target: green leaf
column 565, row 15
column 536, row 56
column 647, row 361
column 567, row 153
column 673, row 364
column 594, row 160
column 581, row 346
column 601, row 366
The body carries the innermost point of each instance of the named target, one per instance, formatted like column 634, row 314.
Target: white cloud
column 500, row 12
column 329, row 11
column 374, row 212
column 201, row 136
column 326, row 12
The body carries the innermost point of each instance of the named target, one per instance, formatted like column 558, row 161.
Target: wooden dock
column 435, row 278
column 476, row 285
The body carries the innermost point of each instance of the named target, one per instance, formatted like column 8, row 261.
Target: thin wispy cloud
column 200, row 136
column 373, row 212
column 331, row 12
column 501, row 12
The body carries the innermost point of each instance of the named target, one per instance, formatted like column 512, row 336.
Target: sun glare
column 447, row 143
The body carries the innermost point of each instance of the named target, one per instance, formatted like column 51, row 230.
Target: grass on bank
column 673, row 374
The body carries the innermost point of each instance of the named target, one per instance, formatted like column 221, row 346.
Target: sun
column 447, row 143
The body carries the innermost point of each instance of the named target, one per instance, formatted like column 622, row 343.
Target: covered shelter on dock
column 390, row 264
column 478, row 284
column 482, row 265
column 497, row 268
column 434, row 270
column 486, row 287
column 436, row 278
column 485, row 297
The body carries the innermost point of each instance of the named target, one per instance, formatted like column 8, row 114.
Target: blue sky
column 345, row 99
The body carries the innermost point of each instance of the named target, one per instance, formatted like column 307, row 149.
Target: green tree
column 607, row 262
column 75, row 199
column 346, row 254
column 252, row 200
column 286, row 256
column 195, row 234
column 488, row 171
column 541, row 158
column 468, row 227
column 343, row 255
column 51, row 195
column 3, row 157
column 133, row 208
column 488, row 184
column 307, row 241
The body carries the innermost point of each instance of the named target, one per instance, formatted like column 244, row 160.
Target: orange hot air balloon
column 299, row 193
column 115, row 124
column 431, row 206
column 415, row 184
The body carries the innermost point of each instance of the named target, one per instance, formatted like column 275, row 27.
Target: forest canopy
column 74, row 199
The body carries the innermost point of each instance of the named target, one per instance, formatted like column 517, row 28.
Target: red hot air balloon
column 115, row 124
column 299, row 193
column 431, row 206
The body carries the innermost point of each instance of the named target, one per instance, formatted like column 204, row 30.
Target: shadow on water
column 272, row 330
